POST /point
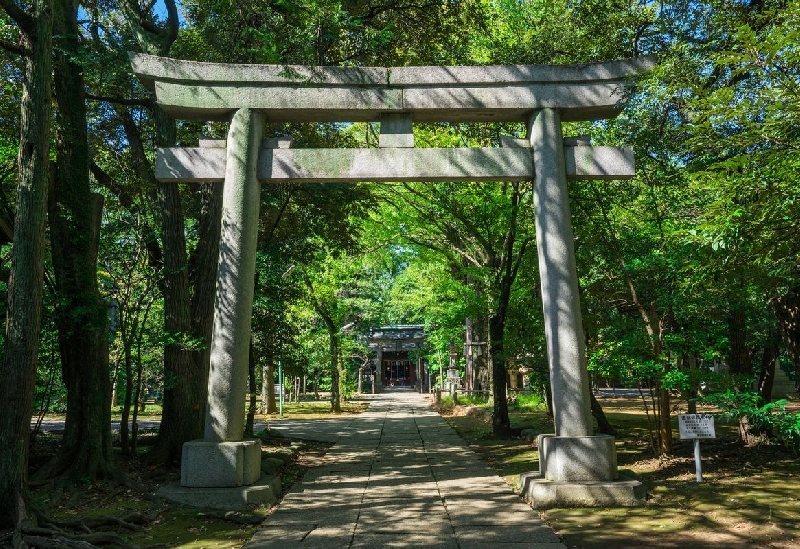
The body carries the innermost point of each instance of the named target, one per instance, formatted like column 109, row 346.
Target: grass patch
column 529, row 401
column 464, row 400
column 748, row 497
column 149, row 411
column 158, row 523
column 315, row 409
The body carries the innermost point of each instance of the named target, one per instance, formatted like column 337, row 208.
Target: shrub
column 465, row 400
column 530, row 401
column 758, row 420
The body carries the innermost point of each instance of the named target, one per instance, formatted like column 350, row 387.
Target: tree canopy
column 689, row 273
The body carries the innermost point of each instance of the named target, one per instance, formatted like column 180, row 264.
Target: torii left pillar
column 222, row 458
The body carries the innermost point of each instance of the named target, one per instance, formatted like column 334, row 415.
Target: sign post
column 280, row 384
column 696, row 427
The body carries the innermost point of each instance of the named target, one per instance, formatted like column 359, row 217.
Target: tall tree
column 81, row 314
column 483, row 231
column 744, row 147
column 329, row 311
column 342, row 291
column 188, row 308
column 18, row 367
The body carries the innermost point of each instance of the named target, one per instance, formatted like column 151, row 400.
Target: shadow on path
column 398, row 476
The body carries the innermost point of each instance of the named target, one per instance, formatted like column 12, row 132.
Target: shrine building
column 396, row 356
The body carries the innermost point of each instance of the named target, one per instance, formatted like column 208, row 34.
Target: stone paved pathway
column 398, row 476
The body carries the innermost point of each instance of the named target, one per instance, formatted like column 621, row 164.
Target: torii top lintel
column 507, row 93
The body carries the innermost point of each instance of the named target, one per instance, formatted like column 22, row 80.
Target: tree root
column 106, row 538
column 7, row 538
column 52, row 534
column 235, row 517
column 80, row 541
column 83, row 541
column 132, row 522
column 41, row 542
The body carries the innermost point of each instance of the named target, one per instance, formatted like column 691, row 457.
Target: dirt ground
column 749, row 496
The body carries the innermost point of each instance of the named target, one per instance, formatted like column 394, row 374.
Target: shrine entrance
column 576, row 466
column 396, row 356
column 398, row 370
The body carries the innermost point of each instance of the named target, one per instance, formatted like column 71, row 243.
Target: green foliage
column 470, row 400
column 770, row 418
column 325, row 32
column 530, row 401
column 705, row 231
column 557, row 32
column 465, row 400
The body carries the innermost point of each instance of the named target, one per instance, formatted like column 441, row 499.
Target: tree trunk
column 127, row 401
column 139, row 367
column 500, row 420
column 548, row 399
column 333, row 346
column 336, row 397
column 135, row 418
column 269, row 379
column 114, row 382
column 787, row 310
column 477, row 352
column 664, row 411
column 739, row 357
column 81, row 315
column 189, row 321
column 23, row 321
column 766, row 376
column 186, row 362
column 203, row 277
column 603, row 425
column 183, row 411
column 664, row 425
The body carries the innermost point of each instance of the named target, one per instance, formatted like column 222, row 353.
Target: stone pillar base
column 581, row 458
column 579, row 471
column 265, row 491
column 541, row 493
column 220, row 464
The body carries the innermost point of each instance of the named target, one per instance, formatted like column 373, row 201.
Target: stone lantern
column 453, row 379
column 526, row 381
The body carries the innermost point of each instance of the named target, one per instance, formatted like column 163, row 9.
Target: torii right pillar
column 576, row 467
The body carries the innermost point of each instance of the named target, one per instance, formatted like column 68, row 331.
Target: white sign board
column 696, row 426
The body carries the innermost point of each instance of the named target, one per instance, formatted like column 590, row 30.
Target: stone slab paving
column 398, row 476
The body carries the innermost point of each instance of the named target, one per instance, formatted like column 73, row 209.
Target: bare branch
column 172, row 22
column 152, row 38
column 24, row 20
column 120, row 100
column 12, row 48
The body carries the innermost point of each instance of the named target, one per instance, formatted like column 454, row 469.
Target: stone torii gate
column 576, row 468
